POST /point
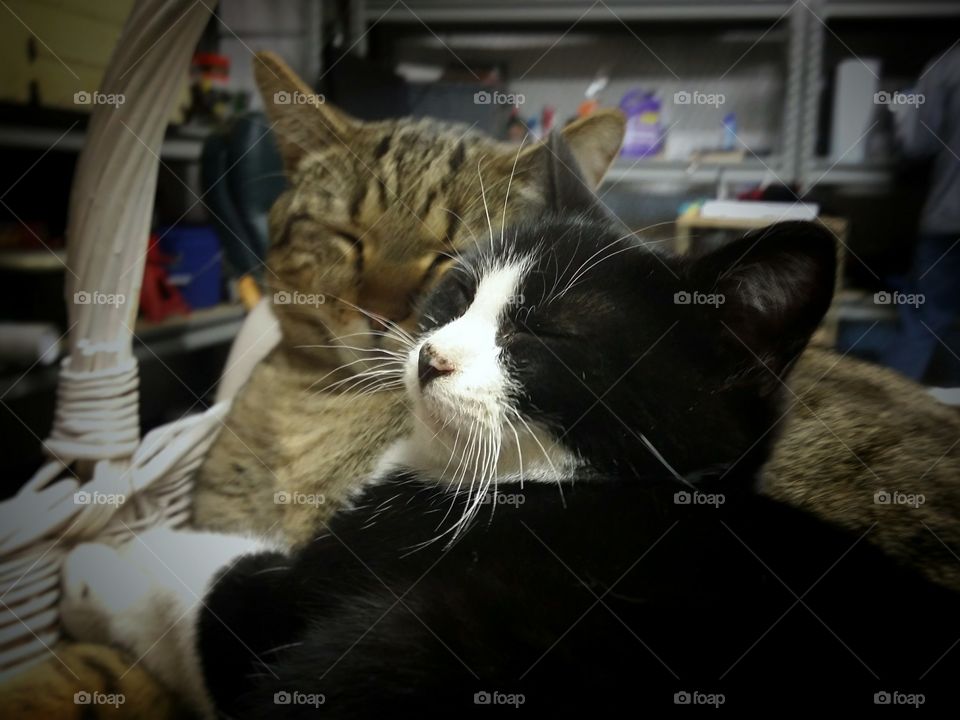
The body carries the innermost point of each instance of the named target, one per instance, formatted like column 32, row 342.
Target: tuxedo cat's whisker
column 516, row 439
column 362, row 381
column 460, row 471
column 287, row 646
column 355, row 348
column 381, row 361
column 546, row 455
column 452, row 453
column 378, row 318
column 337, row 369
column 483, row 195
column 374, row 385
column 565, row 269
column 595, row 264
column 378, row 375
column 376, row 334
column 486, row 457
column 384, row 367
column 580, row 271
column 506, row 199
column 660, row 458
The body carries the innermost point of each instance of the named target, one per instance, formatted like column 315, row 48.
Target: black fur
column 612, row 594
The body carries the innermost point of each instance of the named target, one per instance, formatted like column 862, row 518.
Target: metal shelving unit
column 806, row 34
column 813, row 169
column 532, row 11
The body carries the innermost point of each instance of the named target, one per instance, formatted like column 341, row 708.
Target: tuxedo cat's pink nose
column 431, row 365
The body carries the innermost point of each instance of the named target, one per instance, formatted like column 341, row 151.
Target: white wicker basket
column 95, row 444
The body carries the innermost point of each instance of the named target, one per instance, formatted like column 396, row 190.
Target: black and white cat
column 571, row 525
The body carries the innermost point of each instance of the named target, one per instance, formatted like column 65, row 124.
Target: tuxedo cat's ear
column 772, row 289
column 303, row 123
column 566, row 190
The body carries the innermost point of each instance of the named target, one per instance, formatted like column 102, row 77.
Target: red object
column 546, row 119
column 158, row 298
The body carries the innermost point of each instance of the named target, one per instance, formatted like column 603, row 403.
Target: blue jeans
column 927, row 328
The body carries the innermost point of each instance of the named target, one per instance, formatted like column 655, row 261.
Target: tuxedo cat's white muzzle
column 454, row 376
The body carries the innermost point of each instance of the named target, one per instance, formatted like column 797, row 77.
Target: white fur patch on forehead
column 498, row 289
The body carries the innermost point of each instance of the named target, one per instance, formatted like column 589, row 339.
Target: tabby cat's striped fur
column 855, row 430
column 63, row 688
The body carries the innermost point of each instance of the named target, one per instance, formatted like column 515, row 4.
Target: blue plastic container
column 197, row 268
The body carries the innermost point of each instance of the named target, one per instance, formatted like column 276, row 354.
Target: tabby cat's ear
column 773, row 287
column 595, row 141
column 302, row 122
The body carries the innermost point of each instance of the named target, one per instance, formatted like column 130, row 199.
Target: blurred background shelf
column 656, row 170
column 66, row 140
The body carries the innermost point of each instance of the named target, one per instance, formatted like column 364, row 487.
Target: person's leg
column 935, row 281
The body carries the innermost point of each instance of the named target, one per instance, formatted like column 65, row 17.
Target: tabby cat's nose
column 431, row 365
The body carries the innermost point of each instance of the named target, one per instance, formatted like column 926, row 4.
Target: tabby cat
column 641, row 571
column 374, row 215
